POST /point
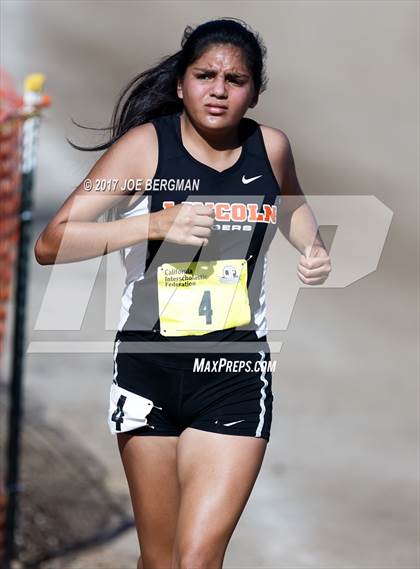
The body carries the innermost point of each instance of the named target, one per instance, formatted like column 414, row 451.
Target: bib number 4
column 118, row 414
column 205, row 307
column 203, row 296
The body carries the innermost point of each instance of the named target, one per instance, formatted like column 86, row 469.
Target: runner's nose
column 219, row 87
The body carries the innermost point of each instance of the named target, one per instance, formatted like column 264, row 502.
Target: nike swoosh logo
column 233, row 423
column 249, row 180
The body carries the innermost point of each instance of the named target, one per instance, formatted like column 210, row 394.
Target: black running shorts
column 164, row 393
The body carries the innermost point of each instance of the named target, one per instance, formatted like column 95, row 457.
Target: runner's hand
column 315, row 266
column 186, row 224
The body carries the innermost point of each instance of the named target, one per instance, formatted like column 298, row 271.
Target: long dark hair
column 153, row 92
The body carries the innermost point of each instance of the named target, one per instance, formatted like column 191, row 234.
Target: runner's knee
column 155, row 559
column 200, row 556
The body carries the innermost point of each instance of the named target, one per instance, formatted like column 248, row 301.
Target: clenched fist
column 315, row 266
column 186, row 224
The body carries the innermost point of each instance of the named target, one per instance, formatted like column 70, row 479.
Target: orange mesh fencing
column 10, row 178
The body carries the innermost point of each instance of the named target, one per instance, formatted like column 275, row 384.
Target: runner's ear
column 179, row 89
column 254, row 102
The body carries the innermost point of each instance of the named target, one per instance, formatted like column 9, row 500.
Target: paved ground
column 339, row 484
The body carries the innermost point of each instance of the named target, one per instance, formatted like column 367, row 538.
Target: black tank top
column 245, row 198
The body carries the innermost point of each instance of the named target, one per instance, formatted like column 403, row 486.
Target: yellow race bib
column 203, row 296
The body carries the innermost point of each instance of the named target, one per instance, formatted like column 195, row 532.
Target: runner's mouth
column 214, row 109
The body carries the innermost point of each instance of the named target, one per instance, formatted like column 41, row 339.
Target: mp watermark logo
column 80, row 307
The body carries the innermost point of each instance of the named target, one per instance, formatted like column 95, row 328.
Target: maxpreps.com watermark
column 204, row 365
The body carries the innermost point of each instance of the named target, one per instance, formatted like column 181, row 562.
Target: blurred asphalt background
column 339, row 484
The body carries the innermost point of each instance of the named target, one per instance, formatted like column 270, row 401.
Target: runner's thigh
column 151, row 470
column 216, row 473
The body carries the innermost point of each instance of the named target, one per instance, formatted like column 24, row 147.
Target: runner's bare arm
column 74, row 233
column 296, row 219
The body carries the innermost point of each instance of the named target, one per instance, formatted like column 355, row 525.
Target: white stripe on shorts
column 263, row 396
column 117, row 343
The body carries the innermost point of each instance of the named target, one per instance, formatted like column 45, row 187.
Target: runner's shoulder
column 276, row 142
column 278, row 150
column 141, row 137
column 138, row 149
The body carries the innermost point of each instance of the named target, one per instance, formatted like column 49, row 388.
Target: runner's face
column 219, row 77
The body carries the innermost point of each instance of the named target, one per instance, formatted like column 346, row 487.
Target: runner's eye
column 232, row 80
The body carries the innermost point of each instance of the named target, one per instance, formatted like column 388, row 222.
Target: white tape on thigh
column 127, row 410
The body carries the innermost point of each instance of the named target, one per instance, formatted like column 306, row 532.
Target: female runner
column 191, row 398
